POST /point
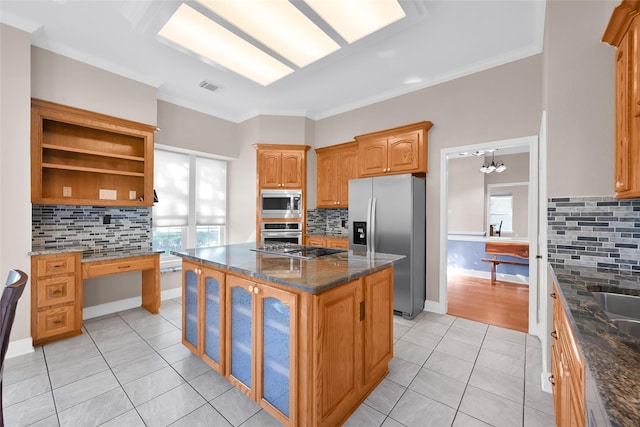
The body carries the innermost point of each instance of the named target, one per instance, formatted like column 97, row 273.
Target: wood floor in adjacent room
column 503, row 304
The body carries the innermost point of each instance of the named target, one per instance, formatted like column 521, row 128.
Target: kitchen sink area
column 622, row 309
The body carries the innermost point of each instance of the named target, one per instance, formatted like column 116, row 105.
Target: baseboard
column 546, row 384
column 125, row 304
column 435, row 307
column 19, row 347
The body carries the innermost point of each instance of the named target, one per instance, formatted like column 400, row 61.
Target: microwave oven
column 281, row 203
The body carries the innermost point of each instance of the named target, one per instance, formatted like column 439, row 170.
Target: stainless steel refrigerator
column 387, row 214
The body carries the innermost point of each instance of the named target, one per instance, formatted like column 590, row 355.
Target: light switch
column 66, row 191
column 132, row 195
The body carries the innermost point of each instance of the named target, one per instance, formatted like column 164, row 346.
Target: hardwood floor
column 504, row 304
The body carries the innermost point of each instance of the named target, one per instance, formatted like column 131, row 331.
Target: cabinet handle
column 551, row 380
column 554, row 334
column 122, row 267
column 553, row 295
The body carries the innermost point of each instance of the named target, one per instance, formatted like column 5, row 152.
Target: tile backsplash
column 327, row 221
column 594, row 232
column 55, row 226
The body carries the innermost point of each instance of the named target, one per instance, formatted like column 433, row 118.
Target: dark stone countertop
column 310, row 275
column 612, row 357
column 89, row 254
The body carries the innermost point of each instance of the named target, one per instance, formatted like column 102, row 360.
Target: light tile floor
column 130, row 369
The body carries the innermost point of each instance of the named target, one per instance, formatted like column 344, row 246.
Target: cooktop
column 294, row 250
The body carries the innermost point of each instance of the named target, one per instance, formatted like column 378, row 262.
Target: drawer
column 103, row 268
column 49, row 266
column 55, row 321
column 56, row 290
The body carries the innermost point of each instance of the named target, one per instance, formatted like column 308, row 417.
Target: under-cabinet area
column 306, row 346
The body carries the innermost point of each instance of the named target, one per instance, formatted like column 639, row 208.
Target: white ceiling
column 436, row 42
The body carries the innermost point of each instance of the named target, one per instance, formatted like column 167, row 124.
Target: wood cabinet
column 281, row 166
column 623, row 31
column 567, row 367
column 328, row 242
column 56, row 297
column 261, row 345
column 307, row 359
column 394, row 151
column 203, row 313
column 84, row 158
column 336, row 165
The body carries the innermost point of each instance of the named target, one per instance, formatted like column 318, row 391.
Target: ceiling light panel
column 354, row 19
column 199, row 34
column 278, row 25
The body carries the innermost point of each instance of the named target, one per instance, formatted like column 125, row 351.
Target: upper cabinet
column 281, row 166
column 336, row 165
column 623, row 32
column 394, row 151
column 84, row 158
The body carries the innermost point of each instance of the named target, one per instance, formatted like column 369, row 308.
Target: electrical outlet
column 66, row 191
column 108, row 194
column 132, row 195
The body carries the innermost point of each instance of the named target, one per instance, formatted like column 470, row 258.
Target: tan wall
column 466, row 196
column 192, row 130
column 66, row 81
column 579, row 90
column 15, row 190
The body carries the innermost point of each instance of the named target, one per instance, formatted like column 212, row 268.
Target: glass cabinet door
column 213, row 296
column 190, row 314
column 277, row 342
column 241, row 330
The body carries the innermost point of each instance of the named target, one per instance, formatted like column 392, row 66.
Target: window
column 501, row 211
column 192, row 201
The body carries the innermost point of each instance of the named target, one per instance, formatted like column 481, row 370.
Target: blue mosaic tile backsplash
column 55, row 226
column 594, row 232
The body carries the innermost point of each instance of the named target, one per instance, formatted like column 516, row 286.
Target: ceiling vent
column 209, row 86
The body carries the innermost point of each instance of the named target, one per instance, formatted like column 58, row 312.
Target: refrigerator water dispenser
column 359, row 232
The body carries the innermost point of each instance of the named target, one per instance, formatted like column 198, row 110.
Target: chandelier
column 493, row 166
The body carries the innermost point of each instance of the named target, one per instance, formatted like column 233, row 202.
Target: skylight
column 277, row 25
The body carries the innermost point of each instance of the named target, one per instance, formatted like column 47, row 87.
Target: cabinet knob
column 250, row 288
column 551, row 380
column 554, row 334
column 255, row 290
column 553, row 295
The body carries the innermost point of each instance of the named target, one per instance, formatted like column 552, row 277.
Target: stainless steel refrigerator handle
column 373, row 225
column 368, row 234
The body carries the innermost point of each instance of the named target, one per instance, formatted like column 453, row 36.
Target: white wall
column 15, row 175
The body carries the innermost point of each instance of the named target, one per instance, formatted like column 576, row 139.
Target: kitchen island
column 306, row 338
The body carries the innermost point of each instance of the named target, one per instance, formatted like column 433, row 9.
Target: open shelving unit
column 84, row 158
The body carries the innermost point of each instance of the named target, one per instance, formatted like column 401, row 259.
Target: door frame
column 531, row 142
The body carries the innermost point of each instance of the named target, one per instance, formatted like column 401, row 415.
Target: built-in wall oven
column 281, row 203
column 285, row 232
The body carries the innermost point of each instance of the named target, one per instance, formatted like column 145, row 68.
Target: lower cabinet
column 202, row 318
column 307, row 359
column 329, row 242
column 261, row 345
column 56, row 297
column 567, row 368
